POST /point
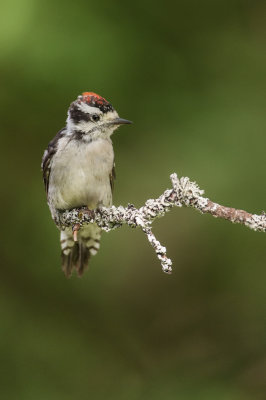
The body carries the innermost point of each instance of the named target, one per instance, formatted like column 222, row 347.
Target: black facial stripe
column 77, row 115
column 79, row 136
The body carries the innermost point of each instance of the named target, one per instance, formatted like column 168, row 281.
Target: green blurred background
column 191, row 75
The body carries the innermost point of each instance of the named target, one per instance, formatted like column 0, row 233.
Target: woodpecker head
column 92, row 117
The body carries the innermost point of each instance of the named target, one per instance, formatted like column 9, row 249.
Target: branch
column 183, row 193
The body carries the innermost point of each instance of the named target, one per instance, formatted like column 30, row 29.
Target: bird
column 79, row 171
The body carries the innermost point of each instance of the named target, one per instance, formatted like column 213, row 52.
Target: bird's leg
column 86, row 212
column 75, row 229
column 83, row 212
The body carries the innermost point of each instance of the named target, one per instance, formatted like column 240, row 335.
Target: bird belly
column 81, row 176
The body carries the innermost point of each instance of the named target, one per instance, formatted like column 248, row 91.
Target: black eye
column 95, row 117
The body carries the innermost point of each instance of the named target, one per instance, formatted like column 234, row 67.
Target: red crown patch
column 91, row 97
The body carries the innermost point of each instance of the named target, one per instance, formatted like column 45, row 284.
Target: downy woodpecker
column 78, row 170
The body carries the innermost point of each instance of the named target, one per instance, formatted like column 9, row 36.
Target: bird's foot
column 75, row 229
column 85, row 214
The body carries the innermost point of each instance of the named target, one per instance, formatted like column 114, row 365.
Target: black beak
column 120, row 121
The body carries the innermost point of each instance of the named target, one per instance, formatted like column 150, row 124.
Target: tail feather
column 77, row 258
column 66, row 263
column 76, row 255
column 83, row 258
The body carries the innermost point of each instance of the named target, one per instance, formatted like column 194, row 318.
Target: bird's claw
column 75, row 229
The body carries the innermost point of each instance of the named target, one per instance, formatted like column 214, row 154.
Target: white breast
column 80, row 174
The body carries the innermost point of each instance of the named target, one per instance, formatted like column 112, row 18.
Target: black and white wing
column 47, row 158
column 112, row 177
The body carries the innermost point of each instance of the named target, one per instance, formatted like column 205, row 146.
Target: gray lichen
column 183, row 193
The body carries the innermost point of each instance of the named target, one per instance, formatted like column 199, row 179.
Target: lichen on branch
column 183, row 193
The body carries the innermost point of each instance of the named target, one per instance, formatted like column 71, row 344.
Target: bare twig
column 183, row 193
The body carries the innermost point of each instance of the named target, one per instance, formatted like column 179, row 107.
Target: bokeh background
column 191, row 75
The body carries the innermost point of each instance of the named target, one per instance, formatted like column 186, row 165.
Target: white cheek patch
column 85, row 126
column 88, row 109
